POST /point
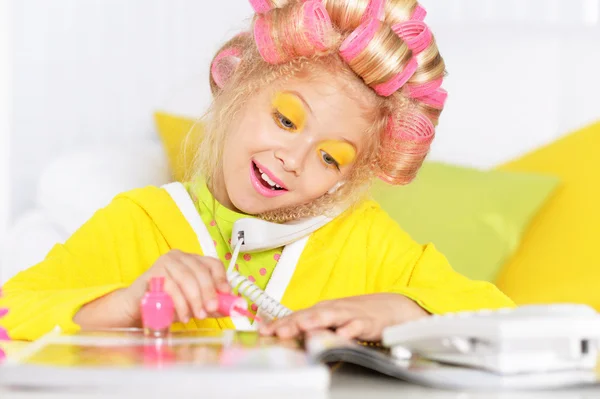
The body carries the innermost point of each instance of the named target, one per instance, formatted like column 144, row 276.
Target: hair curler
column 358, row 41
column 224, row 65
column 313, row 36
column 437, row 99
column 375, row 9
column 419, row 13
column 416, row 34
column 396, row 82
column 418, row 90
column 261, row 6
column 409, row 135
column 412, row 127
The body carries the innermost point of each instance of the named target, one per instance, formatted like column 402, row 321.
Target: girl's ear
column 224, row 65
column 336, row 187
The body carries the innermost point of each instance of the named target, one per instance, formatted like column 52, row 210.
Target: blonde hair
column 394, row 158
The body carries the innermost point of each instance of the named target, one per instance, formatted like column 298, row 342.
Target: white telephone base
column 527, row 339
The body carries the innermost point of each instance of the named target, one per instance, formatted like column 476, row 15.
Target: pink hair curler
column 157, row 309
column 261, row 6
column 317, row 24
column 418, row 90
column 375, row 9
column 419, row 13
column 310, row 37
column 406, row 140
column 437, row 99
column 224, row 65
column 411, row 127
column 358, row 40
column 416, row 34
column 391, row 86
column 264, row 42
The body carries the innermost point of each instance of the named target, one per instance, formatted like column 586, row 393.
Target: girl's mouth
column 264, row 184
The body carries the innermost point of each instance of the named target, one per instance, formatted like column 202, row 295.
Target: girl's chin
column 255, row 207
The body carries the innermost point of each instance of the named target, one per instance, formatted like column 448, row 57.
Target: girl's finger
column 205, row 299
column 183, row 276
column 310, row 319
column 288, row 330
column 219, row 274
column 182, row 309
column 353, row 329
column 269, row 328
column 325, row 317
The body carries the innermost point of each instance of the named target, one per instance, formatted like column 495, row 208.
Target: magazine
column 231, row 362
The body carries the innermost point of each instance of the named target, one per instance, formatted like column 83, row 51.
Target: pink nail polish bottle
column 232, row 305
column 157, row 309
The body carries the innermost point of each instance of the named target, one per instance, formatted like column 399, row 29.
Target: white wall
column 511, row 93
column 521, row 72
column 4, row 118
column 92, row 72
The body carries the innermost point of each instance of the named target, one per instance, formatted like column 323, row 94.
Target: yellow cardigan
column 362, row 251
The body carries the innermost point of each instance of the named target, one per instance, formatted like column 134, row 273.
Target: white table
column 356, row 383
column 349, row 382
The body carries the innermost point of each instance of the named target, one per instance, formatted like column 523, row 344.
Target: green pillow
column 476, row 218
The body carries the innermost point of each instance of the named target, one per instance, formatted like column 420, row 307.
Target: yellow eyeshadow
column 291, row 107
column 343, row 152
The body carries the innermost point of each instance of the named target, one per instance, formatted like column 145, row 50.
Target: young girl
column 313, row 102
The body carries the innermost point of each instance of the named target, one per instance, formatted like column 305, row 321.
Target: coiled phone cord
column 250, row 290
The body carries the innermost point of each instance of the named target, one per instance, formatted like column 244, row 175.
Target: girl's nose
column 293, row 155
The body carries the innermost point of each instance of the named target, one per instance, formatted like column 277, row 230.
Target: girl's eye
column 329, row 160
column 284, row 122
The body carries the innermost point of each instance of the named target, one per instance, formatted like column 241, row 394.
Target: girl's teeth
column 266, row 178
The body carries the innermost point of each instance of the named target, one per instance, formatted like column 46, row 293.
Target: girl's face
column 292, row 143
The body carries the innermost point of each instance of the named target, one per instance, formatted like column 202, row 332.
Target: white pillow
column 76, row 185
column 28, row 242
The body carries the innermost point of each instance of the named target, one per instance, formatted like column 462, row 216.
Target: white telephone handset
column 253, row 235
column 260, row 235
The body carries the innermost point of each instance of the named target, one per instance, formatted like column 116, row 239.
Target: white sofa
column 70, row 189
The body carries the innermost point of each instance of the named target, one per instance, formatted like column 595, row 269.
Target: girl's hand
column 191, row 280
column 361, row 317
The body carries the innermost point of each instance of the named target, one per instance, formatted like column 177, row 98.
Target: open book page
column 326, row 347
column 122, row 359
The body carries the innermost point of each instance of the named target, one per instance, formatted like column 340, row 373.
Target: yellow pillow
column 181, row 137
column 559, row 257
